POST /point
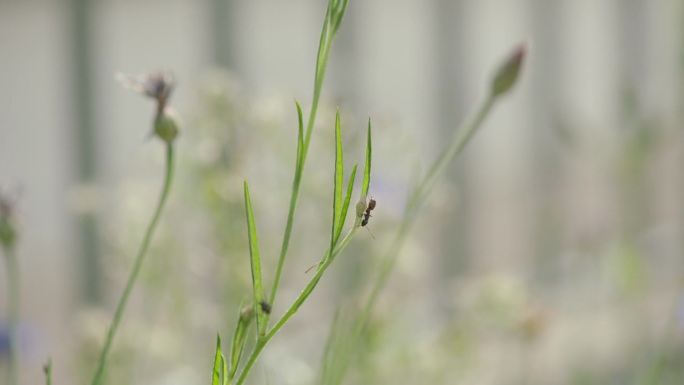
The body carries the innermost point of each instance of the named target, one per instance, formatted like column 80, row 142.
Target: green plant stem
column 318, row 85
column 461, row 138
column 262, row 341
column 387, row 262
column 12, row 313
column 121, row 307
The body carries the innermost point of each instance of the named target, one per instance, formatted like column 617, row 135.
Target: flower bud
column 8, row 232
column 246, row 313
column 508, row 73
column 166, row 125
column 361, row 207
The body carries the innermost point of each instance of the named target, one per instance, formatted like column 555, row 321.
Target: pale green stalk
column 332, row 21
column 121, row 307
column 503, row 81
column 461, row 138
column 387, row 262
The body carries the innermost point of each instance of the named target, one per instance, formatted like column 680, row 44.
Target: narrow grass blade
column 339, row 181
column 256, row 264
column 239, row 340
column 345, row 204
column 216, row 374
column 367, row 168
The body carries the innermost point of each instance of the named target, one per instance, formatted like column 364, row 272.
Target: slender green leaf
column 256, row 264
column 339, row 181
column 224, row 371
column 239, row 339
column 300, row 140
column 299, row 169
column 345, row 205
column 367, row 169
column 218, row 365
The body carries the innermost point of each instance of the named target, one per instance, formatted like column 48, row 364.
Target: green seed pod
column 507, row 75
column 166, row 125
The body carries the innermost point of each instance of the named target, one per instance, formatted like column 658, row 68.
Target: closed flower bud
column 361, row 207
column 8, row 232
column 246, row 313
column 507, row 75
column 166, row 125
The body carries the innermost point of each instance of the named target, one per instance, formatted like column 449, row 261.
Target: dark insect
column 367, row 215
column 265, row 306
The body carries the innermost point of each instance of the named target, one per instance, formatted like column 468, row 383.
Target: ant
column 361, row 212
column 265, row 306
column 367, row 215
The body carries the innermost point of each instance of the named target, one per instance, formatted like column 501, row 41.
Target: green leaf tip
column 338, row 183
column 508, row 73
column 367, row 169
column 217, row 372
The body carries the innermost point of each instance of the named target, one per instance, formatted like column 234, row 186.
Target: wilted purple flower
column 157, row 85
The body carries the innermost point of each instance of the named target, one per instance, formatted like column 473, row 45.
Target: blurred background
column 551, row 252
